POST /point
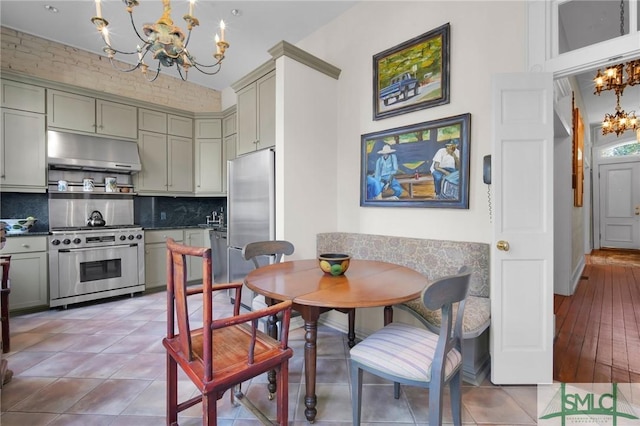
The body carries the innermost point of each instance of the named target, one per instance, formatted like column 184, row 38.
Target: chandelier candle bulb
column 105, row 35
column 98, row 9
column 222, row 26
column 218, row 50
column 191, row 3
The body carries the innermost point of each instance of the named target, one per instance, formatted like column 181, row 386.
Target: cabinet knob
column 25, row 245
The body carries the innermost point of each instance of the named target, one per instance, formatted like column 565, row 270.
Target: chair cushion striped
column 404, row 351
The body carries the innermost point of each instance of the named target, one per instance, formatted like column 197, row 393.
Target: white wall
column 486, row 38
column 307, row 155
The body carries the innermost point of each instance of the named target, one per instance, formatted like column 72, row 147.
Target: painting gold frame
column 412, row 75
column 578, row 152
column 420, row 165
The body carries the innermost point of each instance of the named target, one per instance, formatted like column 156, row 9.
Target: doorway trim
column 598, row 160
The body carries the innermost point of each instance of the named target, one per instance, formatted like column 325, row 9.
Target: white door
column 522, row 268
column 620, row 205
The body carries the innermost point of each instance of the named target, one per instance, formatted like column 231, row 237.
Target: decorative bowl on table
column 18, row 226
column 334, row 263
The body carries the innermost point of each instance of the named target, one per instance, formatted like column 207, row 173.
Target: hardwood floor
column 597, row 328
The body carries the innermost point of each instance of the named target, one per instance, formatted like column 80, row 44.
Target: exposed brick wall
column 33, row 56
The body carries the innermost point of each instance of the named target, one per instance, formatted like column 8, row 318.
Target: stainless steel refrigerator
column 250, row 210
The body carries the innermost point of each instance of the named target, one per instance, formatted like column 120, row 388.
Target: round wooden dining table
column 367, row 283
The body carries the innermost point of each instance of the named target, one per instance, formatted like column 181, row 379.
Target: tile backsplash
column 149, row 212
column 163, row 212
column 15, row 205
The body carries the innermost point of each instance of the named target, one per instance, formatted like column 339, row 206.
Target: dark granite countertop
column 29, row 234
column 201, row 226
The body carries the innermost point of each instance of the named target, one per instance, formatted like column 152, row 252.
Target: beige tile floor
column 103, row 364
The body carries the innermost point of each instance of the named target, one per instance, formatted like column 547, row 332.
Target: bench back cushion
column 432, row 258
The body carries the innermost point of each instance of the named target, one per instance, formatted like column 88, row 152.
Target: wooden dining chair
column 415, row 356
column 220, row 353
column 5, row 289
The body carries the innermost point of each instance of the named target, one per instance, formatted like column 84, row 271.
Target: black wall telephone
column 486, row 169
column 486, row 178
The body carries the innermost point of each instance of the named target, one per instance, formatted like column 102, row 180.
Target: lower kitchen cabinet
column 194, row 238
column 155, row 256
column 28, row 272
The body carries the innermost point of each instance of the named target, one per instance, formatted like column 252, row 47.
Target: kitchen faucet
column 215, row 219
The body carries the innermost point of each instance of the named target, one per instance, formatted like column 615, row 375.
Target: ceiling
column 257, row 27
column 586, row 22
column 261, row 24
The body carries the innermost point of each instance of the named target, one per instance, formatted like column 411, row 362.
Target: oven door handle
column 96, row 248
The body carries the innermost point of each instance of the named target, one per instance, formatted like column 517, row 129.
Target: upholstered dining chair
column 218, row 354
column 417, row 357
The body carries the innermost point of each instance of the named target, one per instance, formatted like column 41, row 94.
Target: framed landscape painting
column 421, row 165
column 412, row 75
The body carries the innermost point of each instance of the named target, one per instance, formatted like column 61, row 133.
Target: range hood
column 84, row 152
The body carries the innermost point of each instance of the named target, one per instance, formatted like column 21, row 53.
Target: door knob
column 503, row 245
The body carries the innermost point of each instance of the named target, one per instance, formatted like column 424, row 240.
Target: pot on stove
column 96, row 219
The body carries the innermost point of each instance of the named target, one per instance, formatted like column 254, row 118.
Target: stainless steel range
column 93, row 262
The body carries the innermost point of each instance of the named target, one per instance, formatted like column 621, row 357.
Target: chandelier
column 619, row 122
column 613, row 77
column 165, row 42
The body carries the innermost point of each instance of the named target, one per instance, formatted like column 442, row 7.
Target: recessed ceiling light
column 50, row 8
column 236, row 12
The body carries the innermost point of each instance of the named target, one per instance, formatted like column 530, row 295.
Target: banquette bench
column 434, row 259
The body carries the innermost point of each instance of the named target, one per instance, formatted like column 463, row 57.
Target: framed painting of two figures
column 420, row 165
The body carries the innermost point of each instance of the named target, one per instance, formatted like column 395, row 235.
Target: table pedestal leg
column 388, row 315
column 351, row 335
column 310, row 316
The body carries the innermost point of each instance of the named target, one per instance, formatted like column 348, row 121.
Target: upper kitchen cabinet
column 23, row 165
column 229, row 124
column 167, row 164
column 180, row 164
column 166, row 152
column 208, row 156
column 256, row 110
column 229, row 143
column 152, row 121
column 161, row 122
column 24, row 97
column 179, row 126
column 70, row 111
